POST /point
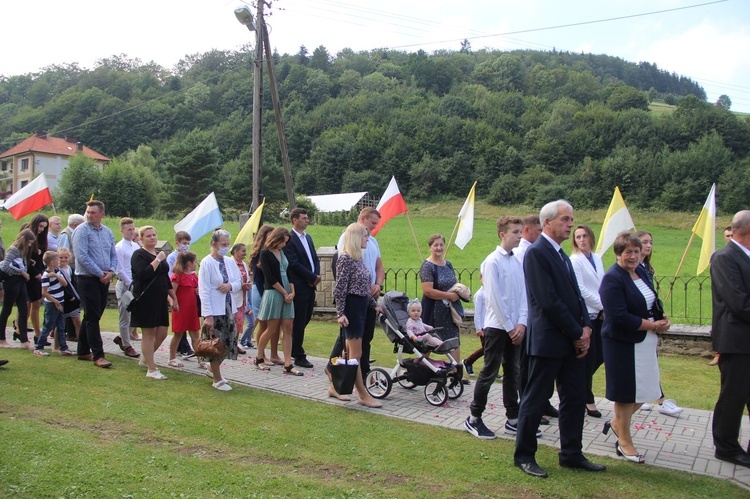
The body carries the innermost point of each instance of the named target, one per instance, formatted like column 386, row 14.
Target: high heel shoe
column 634, row 458
column 607, row 427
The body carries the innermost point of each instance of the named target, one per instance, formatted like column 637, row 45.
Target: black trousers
column 93, row 302
column 594, row 359
column 570, row 374
column 303, row 309
column 369, row 334
column 733, row 397
column 14, row 293
column 498, row 349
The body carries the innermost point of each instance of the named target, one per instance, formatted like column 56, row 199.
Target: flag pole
column 54, row 209
column 415, row 237
column 450, row 239
column 679, row 267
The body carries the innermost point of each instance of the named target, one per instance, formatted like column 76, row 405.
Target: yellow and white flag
column 617, row 220
column 247, row 234
column 705, row 228
column 466, row 220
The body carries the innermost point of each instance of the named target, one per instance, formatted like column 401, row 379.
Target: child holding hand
column 53, row 294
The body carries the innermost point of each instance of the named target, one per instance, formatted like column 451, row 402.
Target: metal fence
column 687, row 300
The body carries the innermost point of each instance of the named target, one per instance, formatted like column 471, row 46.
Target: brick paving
column 683, row 443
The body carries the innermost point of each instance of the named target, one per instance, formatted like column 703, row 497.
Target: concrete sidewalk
column 684, row 443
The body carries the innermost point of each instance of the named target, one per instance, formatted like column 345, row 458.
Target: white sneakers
column 222, row 385
column 670, row 408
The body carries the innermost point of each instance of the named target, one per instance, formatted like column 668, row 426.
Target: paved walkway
column 684, row 443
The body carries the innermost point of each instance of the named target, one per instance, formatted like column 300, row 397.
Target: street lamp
column 245, row 17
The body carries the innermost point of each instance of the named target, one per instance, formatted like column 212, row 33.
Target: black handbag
column 343, row 376
column 657, row 310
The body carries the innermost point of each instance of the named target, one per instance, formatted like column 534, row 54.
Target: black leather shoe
column 596, row 413
column 740, row 459
column 551, row 411
column 532, row 469
column 544, row 421
column 584, row 465
column 303, row 363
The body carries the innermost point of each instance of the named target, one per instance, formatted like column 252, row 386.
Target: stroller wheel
column 436, row 393
column 405, row 383
column 455, row 388
column 378, row 383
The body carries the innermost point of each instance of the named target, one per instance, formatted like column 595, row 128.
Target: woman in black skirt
column 151, row 285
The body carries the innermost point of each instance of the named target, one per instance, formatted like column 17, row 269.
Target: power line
column 570, row 25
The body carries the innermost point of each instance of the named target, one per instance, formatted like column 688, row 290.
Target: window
column 4, row 166
column 23, row 183
column 24, row 164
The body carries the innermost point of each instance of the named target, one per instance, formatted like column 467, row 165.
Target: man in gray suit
column 730, row 288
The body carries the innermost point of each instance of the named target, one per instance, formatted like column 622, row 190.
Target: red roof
column 51, row 145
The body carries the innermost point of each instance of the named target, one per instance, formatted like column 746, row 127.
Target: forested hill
column 530, row 126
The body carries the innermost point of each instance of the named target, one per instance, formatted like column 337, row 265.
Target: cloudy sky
column 709, row 42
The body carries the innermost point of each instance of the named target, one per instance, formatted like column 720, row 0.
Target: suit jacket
column 730, row 289
column 557, row 312
column 589, row 279
column 624, row 305
column 299, row 271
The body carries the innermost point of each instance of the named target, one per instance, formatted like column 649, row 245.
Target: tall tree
column 190, row 167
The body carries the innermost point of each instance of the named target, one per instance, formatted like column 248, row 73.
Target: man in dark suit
column 730, row 288
column 557, row 340
column 304, row 273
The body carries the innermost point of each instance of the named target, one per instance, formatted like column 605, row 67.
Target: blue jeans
column 53, row 318
column 253, row 301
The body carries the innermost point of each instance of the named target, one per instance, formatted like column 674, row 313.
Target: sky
column 709, row 43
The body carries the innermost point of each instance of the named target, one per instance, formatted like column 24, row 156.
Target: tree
column 128, row 190
column 320, row 59
column 625, row 97
column 79, row 181
column 724, row 101
column 191, row 167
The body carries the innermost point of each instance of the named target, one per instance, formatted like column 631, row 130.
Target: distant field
column 660, row 107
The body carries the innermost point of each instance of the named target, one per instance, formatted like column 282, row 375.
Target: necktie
column 567, row 262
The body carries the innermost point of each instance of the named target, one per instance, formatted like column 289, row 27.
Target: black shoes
column 3, row 362
column 551, row 411
column 740, row 459
column 595, row 413
column 532, row 469
column 584, row 465
column 303, row 363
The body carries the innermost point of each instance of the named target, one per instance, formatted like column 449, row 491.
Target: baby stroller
column 440, row 379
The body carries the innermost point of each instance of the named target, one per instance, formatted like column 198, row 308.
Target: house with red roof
column 38, row 154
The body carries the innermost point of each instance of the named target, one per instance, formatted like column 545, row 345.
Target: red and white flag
column 34, row 196
column 391, row 204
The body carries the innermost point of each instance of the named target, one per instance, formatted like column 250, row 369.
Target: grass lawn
column 69, row 430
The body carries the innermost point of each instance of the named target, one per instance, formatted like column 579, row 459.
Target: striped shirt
column 54, row 288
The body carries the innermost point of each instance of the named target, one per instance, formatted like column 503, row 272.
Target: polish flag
column 391, row 204
column 34, row 196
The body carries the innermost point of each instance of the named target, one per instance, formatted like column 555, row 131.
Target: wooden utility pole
column 279, row 121
column 258, row 108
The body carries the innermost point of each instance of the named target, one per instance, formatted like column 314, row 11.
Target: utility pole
column 258, row 108
column 279, row 121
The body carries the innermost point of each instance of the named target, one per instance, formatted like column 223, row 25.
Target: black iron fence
column 687, row 300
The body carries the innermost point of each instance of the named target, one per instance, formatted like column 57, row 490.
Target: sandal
column 291, row 370
column 175, row 363
column 260, row 364
column 277, row 362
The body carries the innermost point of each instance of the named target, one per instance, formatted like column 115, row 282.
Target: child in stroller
column 440, row 378
column 417, row 329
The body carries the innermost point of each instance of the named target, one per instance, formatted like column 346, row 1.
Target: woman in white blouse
column 589, row 271
column 218, row 278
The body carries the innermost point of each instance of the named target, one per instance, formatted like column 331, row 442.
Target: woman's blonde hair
column 353, row 240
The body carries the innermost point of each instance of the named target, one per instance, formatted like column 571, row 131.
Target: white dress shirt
column 505, row 291
column 125, row 250
column 303, row 239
